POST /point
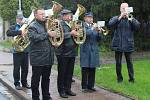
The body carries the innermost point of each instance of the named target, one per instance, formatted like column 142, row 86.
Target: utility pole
column 19, row 12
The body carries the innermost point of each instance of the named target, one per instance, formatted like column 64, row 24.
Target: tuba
column 78, row 25
column 54, row 25
column 22, row 42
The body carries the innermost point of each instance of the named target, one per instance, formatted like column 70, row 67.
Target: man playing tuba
column 66, row 54
column 20, row 59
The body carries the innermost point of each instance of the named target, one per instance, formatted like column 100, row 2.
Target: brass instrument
column 21, row 42
column 101, row 29
column 78, row 25
column 129, row 10
column 54, row 25
column 130, row 16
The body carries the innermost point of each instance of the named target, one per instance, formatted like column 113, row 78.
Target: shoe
column 91, row 89
column 84, row 90
column 131, row 80
column 18, row 87
column 27, row 86
column 63, row 95
column 70, row 93
column 73, row 80
column 119, row 81
column 50, row 98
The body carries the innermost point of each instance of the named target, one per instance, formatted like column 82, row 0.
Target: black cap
column 19, row 16
column 89, row 14
column 65, row 11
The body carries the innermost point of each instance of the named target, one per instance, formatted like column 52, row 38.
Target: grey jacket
column 42, row 53
column 123, row 39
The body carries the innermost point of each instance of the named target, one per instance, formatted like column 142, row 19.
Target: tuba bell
column 22, row 42
column 78, row 25
column 54, row 25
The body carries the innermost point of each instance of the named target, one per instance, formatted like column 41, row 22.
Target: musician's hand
column 23, row 32
column 51, row 33
column 124, row 14
column 46, row 25
column 74, row 33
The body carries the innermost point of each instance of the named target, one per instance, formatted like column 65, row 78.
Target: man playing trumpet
column 89, row 54
column 123, row 40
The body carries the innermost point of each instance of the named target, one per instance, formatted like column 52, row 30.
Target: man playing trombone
column 123, row 40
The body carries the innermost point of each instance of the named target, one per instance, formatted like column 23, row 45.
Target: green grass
column 6, row 44
column 106, row 77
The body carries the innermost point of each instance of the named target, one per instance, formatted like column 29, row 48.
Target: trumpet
column 129, row 10
column 130, row 16
column 100, row 29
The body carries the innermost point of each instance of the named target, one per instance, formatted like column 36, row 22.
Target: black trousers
column 20, row 61
column 118, row 57
column 65, row 73
column 40, row 73
column 88, row 77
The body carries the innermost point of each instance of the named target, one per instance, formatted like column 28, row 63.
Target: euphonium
column 54, row 25
column 78, row 25
column 21, row 42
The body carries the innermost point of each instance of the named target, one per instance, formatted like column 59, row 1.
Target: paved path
column 6, row 68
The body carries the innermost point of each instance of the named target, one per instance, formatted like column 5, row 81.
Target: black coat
column 68, row 48
column 41, row 52
column 14, row 31
column 123, row 39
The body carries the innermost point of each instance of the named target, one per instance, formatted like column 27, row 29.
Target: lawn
column 6, row 43
column 106, row 77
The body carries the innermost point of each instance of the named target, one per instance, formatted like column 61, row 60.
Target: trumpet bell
column 105, row 31
column 130, row 16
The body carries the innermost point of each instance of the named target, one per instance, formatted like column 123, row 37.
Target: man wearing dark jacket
column 20, row 59
column 123, row 41
column 66, row 54
column 41, row 55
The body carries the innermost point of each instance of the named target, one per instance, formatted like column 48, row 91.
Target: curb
column 21, row 94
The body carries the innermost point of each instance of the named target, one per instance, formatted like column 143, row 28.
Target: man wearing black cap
column 66, row 53
column 89, row 54
column 20, row 59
